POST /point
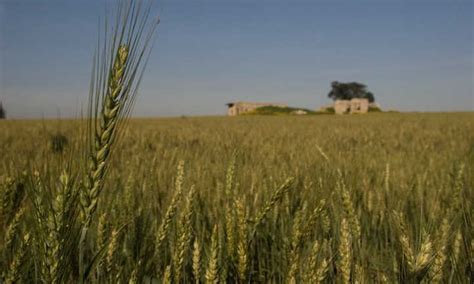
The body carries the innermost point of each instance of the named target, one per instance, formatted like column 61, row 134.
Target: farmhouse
column 355, row 105
column 237, row 108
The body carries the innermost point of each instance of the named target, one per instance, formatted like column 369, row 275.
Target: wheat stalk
column 117, row 70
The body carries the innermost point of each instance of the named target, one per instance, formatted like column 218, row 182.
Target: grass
column 369, row 198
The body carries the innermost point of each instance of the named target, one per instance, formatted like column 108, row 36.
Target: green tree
column 348, row 91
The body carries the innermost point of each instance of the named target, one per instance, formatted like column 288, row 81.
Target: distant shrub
column 3, row 113
column 326, row 110
column 330, row 110
column 374, row 109
column 275, row 110
column 58, row 143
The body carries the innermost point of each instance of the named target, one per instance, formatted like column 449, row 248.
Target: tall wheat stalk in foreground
column 117, row 71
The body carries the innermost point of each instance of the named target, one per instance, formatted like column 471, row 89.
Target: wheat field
column 377, row 198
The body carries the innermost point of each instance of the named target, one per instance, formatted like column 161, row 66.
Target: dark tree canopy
column 348, row 91
column 3, row 114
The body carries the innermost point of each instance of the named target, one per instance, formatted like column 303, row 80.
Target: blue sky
column 413, row 55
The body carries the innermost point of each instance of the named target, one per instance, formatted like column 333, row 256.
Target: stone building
column 351, row 106
column 359, row 105
column 237, row 108
column 342, row 106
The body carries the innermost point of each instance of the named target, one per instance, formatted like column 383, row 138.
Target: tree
column 370, row 97
column 3, row 114
column 348, row 91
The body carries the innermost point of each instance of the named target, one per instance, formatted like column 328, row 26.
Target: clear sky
column 413, row 54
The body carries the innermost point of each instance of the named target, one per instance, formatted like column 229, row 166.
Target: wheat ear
column 111, row 251
column 345, row 252
column 404, row 240
column 456, row 251
column 14, row 273
column 12, row 229
column 8, row 192
column 310, row 224
column 103, row 138
column 134, row 275
column 212, row 272
column 242, row 245
column 167, row 275
column 171, row 211
column 101, row 237
column 196, row 261
column 441, row 256
column 349, row 209
column 184, row 235
column 296, row 239
column 317, row 271
column 229, row 212
column 276, row 196
column 424, row 255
